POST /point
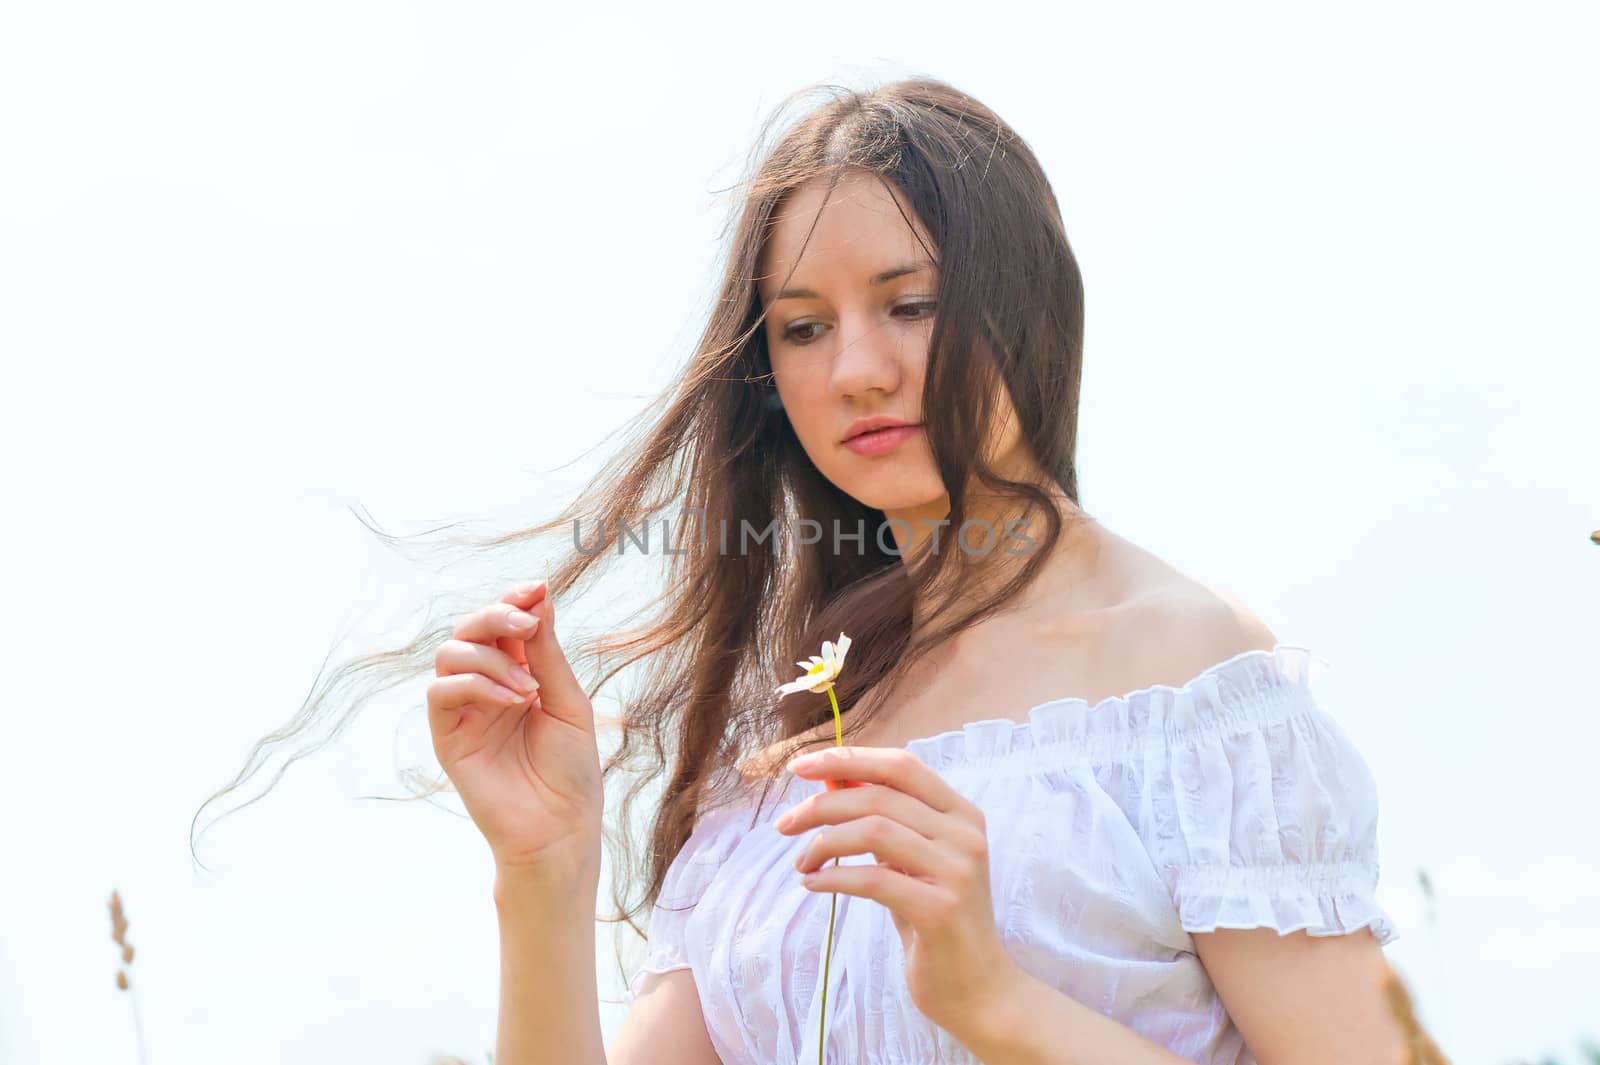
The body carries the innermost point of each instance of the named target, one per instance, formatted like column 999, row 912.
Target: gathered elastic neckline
column 1251, row 680
column 1235, row 692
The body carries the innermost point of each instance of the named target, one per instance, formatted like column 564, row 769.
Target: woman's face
column 848, row 333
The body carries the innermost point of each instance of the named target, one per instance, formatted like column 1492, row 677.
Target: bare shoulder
column 764, row 763
column 769, row 761
column 1178, row 630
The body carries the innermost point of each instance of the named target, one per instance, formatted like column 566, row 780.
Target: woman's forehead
column 860, row 234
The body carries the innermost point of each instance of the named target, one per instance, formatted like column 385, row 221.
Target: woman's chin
column 895, row 494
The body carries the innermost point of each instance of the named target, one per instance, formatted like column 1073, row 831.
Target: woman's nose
column 868, row 357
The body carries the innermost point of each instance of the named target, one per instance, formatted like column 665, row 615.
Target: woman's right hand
column 514, row 731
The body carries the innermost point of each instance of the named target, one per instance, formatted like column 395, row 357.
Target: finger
column 888, row 841
column 560, row 693
column 829, row 808
column 523, row 597
column 450, row 698
column 497, row 625
column 894, row 766
column 460, row 656
column 906, row 897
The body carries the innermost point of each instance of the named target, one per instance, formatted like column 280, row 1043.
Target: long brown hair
column 727, row 627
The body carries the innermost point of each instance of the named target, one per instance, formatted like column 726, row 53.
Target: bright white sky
column 259, row 264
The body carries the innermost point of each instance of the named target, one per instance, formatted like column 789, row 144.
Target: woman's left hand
column 932, row 872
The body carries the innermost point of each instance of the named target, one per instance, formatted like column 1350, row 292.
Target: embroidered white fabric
column 1115, row 831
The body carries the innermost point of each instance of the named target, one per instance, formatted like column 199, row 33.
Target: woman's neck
column 1075, row 577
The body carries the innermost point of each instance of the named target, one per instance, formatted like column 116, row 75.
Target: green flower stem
column 822, row 1035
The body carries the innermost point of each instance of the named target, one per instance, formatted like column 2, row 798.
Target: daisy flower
column 820, row 673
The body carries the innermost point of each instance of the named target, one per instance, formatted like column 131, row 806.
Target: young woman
column 1103, row 817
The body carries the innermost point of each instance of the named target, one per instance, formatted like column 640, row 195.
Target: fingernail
column 523, row 680
column 520, row 620
column 804, row 761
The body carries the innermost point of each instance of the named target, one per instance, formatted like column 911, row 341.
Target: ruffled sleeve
column 687, row 877
column 1261, row 811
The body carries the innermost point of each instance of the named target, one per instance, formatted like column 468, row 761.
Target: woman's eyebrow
column 876, row 279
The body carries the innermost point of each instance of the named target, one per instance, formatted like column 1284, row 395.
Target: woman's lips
column 881, row 441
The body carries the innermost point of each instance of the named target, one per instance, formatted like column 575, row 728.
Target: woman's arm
column 1028, row 1022
column 1300, row 999
column 665, row 1026
column 549, row 1000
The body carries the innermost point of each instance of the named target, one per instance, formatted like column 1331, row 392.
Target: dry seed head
column 122, row 980
column 119, row 923
column 1420, row 1049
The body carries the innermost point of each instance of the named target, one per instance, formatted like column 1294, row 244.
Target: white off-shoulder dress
column 1115, row 831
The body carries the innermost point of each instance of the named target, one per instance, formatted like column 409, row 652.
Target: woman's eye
column 790, row 334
